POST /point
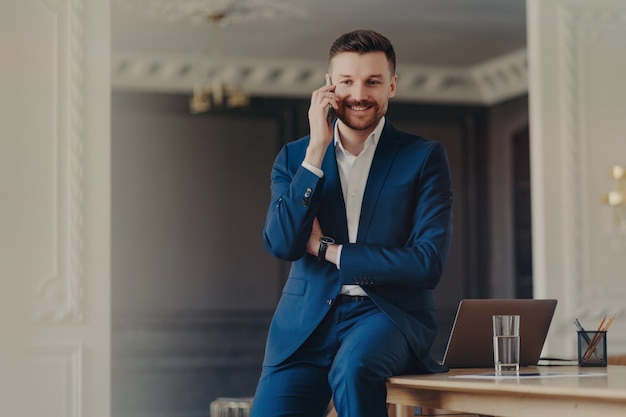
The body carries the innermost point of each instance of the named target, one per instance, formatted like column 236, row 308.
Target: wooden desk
column 570, row 396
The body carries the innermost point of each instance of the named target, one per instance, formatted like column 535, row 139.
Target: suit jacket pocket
column 295, row 286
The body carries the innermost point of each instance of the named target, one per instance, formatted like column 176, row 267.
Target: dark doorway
column 522, row 232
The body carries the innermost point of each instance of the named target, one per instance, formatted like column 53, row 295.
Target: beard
column 367, row 120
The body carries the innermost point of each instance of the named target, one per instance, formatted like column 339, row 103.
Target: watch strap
column 324, row 242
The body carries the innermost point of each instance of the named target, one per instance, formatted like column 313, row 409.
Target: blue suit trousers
column 348, row 357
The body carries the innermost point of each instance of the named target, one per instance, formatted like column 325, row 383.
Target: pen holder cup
column 592, row 348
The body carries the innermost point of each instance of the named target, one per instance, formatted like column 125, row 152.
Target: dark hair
column 361, row 42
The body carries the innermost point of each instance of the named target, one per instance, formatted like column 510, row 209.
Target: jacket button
column 307, row 197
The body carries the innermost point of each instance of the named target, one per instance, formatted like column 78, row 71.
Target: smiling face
column 365, row 83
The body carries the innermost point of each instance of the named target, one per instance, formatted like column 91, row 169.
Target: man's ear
column 393, row 85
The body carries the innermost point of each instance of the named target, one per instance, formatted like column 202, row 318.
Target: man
column 364, row 213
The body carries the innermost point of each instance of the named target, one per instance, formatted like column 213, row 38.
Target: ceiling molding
column 488, row 83
column 225, row 12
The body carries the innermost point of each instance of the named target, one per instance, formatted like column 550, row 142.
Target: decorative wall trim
column 196, row 12
column 67, row 360
column 502, row 78
column 60, row 296
column 571, row 156
column 580, row 28
column 485, row 84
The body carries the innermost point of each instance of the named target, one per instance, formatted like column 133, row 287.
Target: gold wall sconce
column 617, row 197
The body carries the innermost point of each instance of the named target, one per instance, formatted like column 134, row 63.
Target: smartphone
column 330, row 112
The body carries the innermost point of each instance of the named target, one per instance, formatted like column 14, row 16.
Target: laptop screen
column 471, row 340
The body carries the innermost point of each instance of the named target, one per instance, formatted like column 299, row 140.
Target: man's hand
column 313, row 244
column 321, row 130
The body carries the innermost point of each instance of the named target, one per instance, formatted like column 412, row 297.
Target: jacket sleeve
column 294, row 203
column 419, row 261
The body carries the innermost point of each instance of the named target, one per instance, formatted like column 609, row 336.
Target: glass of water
column 506, row 344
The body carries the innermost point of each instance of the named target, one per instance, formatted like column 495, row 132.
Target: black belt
column 343, row 298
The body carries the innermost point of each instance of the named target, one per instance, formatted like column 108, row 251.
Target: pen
column 580, row 328
column 585, row 336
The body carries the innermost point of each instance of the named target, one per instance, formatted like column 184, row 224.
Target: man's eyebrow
column 369, row 76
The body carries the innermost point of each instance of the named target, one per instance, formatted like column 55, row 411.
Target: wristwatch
column 324, row 242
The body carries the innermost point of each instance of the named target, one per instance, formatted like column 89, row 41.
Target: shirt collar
column 373, row 137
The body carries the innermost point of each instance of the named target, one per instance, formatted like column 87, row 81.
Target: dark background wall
column 193, row 288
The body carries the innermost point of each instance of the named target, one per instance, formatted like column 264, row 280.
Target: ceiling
column 465, row 51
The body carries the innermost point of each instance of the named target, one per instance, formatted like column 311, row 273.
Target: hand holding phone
column 330, row 112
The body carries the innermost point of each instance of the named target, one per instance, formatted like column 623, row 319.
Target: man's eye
column 346, row 82
column 373, row 82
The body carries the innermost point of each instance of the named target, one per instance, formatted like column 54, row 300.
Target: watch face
column 328, row 240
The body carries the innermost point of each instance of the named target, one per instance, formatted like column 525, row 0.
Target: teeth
column 359, row 108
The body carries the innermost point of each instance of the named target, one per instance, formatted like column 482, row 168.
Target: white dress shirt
column 353, row 173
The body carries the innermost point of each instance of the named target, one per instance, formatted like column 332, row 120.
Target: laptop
column 471, row 340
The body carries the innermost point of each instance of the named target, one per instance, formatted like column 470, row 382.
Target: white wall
column 54, row 206
column 578, row 107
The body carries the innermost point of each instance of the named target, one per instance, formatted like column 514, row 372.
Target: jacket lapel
column 381, row 164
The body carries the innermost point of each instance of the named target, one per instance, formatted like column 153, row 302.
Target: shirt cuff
column 313, row 169
column 339, row 248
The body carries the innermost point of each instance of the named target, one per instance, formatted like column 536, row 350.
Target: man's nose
column 358, row 92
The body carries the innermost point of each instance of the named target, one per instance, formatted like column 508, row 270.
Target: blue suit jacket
column 402, row 243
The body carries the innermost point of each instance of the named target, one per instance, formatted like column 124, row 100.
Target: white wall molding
column 502, row 78
column 60, row 294
column 571, row 156
column 53, row 375
column 485, row 84
column 582, row 30
column 55, row 233
column 577, row 102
